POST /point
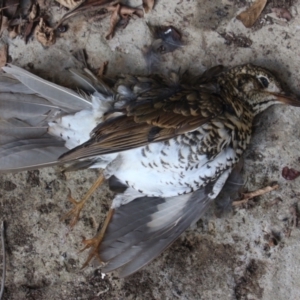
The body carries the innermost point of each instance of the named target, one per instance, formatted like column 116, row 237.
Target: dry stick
column 8, row 6
column 4, row 261
column 293, row 211
column 259, row 192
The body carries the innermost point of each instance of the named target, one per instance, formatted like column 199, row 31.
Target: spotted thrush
column 167, row 145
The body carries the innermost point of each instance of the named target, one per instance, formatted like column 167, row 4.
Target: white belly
column 165, row 169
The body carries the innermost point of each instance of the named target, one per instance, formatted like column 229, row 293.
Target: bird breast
column 182, row 164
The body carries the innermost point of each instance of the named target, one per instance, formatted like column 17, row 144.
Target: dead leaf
column 118, row 12
column 282, row 13
column 29, row 25
column 125, row 11
column 148, row 5
column 238, row 40
column 250, row 15
column 102, row 69
column 71, row 4
column 3, row 56
column 4, row 24
column 28, row 30
column 89, row 5
column 14, row 32
column 121, row 12
column 43, row 4
column 33, row 12
column 44, row 34
column 114, row 19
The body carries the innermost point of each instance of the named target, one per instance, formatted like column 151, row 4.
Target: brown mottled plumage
column 167, row 145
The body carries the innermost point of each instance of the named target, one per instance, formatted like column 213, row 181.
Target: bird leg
column 78, row 205
column 95, row 242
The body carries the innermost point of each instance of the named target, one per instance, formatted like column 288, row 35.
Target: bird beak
column 289, row 100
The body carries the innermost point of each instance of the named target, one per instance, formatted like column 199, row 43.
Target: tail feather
column 23, row 106
column 29, row 105
column 14, row 129
column 56, row 94
column 30, row 154
column 10, row 83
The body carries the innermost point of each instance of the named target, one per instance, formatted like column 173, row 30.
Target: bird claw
column 89, row 243
column 78, row 205
column 94, row 244
column 75, row 212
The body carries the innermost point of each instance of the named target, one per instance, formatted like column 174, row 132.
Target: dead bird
column 167, row 145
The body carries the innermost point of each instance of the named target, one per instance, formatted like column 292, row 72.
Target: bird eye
column 264, row 81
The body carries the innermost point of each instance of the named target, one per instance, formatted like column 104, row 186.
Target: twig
column 4, row 261
column 9, row 6
column 294, row 222
column 259, row 192
column 294, row 213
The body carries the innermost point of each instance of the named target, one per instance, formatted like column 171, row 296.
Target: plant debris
column 239, row 40
column 289, row 174
column 2, row 235
column 282, row 13
column 295, row 215
column 251, row 14
column 120, row 14
column 165, row 39
column 247, row 196
column 4, row 24
column 19, row 20
column 12, row 22
column 102, row 69
column 71, row 4
column 148, row 5
column 294, row 220
column 3, row 56
column 114, row 19
column 44, row 34
column 8, row 12
column 11, row 7
column 272, row 238
column 31, row 20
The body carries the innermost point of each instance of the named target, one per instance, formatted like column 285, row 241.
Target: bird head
column 255, row 86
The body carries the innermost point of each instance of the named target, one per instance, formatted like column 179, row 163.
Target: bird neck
column 252, row 102
column 259, row 101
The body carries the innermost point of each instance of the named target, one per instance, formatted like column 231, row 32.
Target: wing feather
column 142, row 229
column 154, row 110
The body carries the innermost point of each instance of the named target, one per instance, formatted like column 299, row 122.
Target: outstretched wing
column 150, row 110
column 142, row 229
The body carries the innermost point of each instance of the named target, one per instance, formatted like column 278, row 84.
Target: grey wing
column 140, row 230
column 27, row 104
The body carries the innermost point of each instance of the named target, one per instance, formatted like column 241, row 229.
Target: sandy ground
column 246, row 254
